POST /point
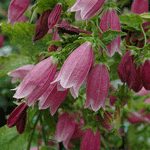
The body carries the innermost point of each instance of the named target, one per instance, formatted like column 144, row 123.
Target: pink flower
column 86, row 9
column 64, row 129
column 112, row 19
column 16, row 10
column 143, row 91
column 146, row 75
column 75, row 69
column 22, row 19
column 54, row 15
column 20, row 73
column 36, row 81
column 52, row 97
column 18, row 118
column 97, row 87
column 128, row 72
column 139, row 6
column 91, row 141
column 1, row 40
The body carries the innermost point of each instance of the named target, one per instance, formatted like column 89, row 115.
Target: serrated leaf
column 110, row 35
column 11, row 140
column 13, row 62
column 132, row 20
column 21, row 34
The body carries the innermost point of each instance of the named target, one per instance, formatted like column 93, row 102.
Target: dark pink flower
column 91, row 141
column 52, row 97
column 54, row 15
column 139, row 6
column 36, row 81
column 86, row 9
column 20, row 73
column 112, row 19
column 16, row 10
column 1, row 40
column 75, row 69
column 22, row 19
column 64, row 129
column 18, row 118
column 41, row 27
column 97, row 87
column 146, row 75
column 128, row 72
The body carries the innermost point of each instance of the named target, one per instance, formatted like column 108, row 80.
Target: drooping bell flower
column 146, row 75
column 97, row 87
column 1, row 40
column 22, row 19
column 20, row 73
column 143, row 91
column 36, row 81
column 18, row 118
column 91, row 141
column 139, row 6
column 64, row 129
column 16, row 10
column 128, row 72
column 54, row 15
column 86, row 9
column 52, row 97
column 75, row 69
column 41, row 27
column 112, row 19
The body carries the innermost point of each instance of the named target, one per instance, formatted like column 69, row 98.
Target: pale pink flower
column 18, row 118
column 20, row 73
column 112, row 19
column 97, row 87
column 64, row 129
column 75, row 69
column 16, row 10
column 36, row 81
column 143, row 91
column 22, row 19
column 52, row 97
column 91, row 141
column 139, row 6
column 1, row 40
column 54, row 15
column 86, row 9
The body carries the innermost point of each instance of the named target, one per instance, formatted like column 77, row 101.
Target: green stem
column 145, row 39
column 34, row 127
column 45, row 141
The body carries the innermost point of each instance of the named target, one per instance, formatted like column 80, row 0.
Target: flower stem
column 34, row 127
column 145, row 39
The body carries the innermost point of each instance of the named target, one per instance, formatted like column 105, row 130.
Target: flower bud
column 54, row 15
column 41, row 27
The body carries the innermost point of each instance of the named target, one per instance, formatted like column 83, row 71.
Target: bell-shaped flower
column 97, row 87
column 22, row 19
column 16, row 10
column 86, row 9
column 91, row 141
column 18, row 118
column 1, row 40
column 143, row 91
column 75, row 69
column 20, row 73
column 110, row 19
column 54, row 15
column 36, row 81
column 64, row 129
column 146, row 75
column 41, row 27
column 128, row 72
column 139, row 6
column 52, row 97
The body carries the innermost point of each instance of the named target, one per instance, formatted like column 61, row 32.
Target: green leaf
column 47, row 148
column 21, row 34
column 110, row 35
column 11, row 140
column 145, row 16
column 12, row 62
column 57, row 43
column 132, row 21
